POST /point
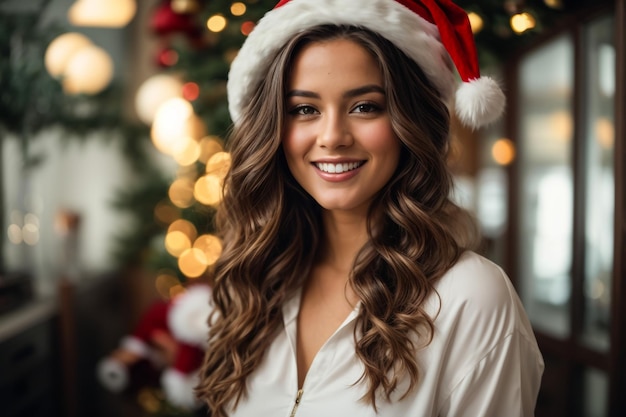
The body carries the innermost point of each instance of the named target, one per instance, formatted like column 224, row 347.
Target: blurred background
column 113, row 116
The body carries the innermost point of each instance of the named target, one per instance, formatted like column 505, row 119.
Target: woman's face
column 338, row 139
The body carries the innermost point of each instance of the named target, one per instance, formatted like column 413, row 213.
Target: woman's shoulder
column 476, row 279
column 476, row 292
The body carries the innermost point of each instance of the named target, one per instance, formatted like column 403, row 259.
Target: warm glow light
column 208, row 190
column 187, row 152
column 476, row 22
column 165, row 213
column 555, row 4
column 61, row 50
column 211, row 246
column 216, row 23
column 176, row 242
column 30, row 234
column 102, row 13
column 209, row 146
column 15, row 234
column 191, row 91
column 181, row 192
column 522, row 22
column 88, row 71
column 230, row 55
column 561, row 126
column 175, row 123
column 219, row 164
column 238, row 8
column 155, row 91
column 164, row 282
column 185, row 6
column 192, row 263
column 503, row 151
column 246, row 27
column 184, row 226
column 605, row 133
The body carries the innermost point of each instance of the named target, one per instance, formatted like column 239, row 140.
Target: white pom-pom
column 179, row 388
column 479, row 102
column 189, row 314
column 113, row 375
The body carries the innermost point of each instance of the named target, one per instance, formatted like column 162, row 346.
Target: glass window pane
column 546, row 184
column 596, row 389
column 599, row 150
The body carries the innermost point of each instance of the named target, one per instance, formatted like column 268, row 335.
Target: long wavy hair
column 271, row 231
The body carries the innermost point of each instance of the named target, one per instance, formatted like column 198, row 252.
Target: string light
column 192, row 263
column 216, row 23
column 246, row 27
column 503, row 151
column 181, row 192
column 211, row 246
column 208, row 190
column 476, row 22
column 238, row 9
column 521, row 22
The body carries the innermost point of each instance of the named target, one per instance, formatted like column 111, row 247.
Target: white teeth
column 337, row 168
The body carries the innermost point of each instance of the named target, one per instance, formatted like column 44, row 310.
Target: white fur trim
column 112, row 374
column 179, row 388
column 189, row 314
column 136, row 345
column 418, row 38
column 479, row 102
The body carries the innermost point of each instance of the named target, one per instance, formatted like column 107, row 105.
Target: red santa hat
column 431, row 32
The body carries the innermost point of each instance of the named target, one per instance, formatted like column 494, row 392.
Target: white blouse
column 483, row 359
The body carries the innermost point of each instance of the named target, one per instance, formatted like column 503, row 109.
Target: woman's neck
column 344, row 235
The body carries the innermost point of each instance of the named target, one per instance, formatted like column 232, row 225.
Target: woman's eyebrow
column 370, row 88
column 302, row 93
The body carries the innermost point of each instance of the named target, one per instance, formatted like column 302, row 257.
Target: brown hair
column 415, row 232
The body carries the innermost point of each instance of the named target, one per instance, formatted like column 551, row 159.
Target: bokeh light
column 181, row 192
column 191, row 91
column 175, row 123
column 153, row 92
column 61, row 50
column 192, row 263
column 216, row 23
column 165, row 213
column 176, row 242
column 522, row 22
column 88, row 71
column 503, row 151
column 185, row 226
column 208, row 190
column 209, row 146
column 186, row 151
column 238, row 8
column 165, row 281
column 219, row 164
column 99, row 13
column 476, row 22
column 211, row 246
column 247, row 27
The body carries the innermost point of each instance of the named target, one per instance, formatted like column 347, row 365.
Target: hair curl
column 415, row 232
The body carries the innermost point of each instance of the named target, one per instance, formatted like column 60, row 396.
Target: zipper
column 297, row 403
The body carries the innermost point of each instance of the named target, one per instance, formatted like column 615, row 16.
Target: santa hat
column 428, row 31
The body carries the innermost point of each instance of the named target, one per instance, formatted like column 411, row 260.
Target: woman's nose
column 334, row 132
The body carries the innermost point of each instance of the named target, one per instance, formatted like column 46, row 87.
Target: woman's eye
column 303, row 110
column 366, row 108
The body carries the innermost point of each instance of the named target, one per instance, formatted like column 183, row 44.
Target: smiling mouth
column 331, row 168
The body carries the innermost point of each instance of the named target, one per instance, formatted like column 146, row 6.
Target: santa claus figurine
column 172, row 336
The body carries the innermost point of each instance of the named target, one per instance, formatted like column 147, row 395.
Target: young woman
column 347, row 284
